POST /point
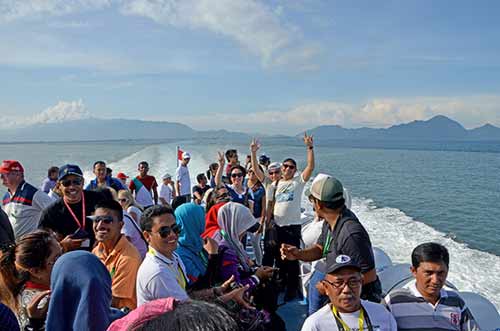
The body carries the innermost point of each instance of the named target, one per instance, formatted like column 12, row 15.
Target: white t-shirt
column 166, row 192
column 323, row 320
column 132, row 230
column 158, row 277
column 288, row 199
column 182, row 176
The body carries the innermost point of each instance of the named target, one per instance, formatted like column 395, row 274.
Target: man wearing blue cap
column 68, row 217
column 346, row 311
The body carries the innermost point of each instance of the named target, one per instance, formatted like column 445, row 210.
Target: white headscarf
column 234, row 219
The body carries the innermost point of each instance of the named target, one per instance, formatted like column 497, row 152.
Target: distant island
column 438, row 128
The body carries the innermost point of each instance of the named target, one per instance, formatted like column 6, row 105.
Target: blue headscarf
column 191, row 219
column 81, row 294
column 8, row 321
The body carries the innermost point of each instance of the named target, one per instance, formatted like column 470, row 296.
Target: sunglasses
column 104, row 219
column 164, row 231
column 237, row 174
column 291, row 166
column 122, row 200
column 274, row 172
column 69, row 182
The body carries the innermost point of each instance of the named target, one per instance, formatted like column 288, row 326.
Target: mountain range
column 438, row 128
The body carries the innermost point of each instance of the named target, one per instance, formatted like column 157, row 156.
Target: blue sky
column 272, row 66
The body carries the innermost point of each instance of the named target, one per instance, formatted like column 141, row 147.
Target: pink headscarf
column 142, row 314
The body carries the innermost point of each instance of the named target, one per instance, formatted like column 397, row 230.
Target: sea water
column 403, row 197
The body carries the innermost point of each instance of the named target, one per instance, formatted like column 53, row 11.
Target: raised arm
column 254, row 147
column 308, row 141
column 218, row 175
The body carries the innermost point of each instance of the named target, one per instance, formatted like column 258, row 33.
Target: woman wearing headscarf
column 199, row 257
column 220, row 198
column 234, row 220
column 81, row 294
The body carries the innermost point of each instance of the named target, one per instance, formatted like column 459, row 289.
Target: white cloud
column 253, row 24
column 470, row 111
column 63, row 111
column 11, row 10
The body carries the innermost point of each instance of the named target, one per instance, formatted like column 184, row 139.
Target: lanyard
column 328, row 243
column 342, row 326
column 179, row 274
column 73, row 214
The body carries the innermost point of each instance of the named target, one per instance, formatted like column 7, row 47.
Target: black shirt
column 58, row 218
column 200, row 190
column 348, row 237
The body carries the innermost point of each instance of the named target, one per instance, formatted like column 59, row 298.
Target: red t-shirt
column 148, row 181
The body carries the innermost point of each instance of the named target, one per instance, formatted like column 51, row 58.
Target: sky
column 274, row 66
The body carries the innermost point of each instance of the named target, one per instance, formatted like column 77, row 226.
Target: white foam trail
column 390, row 229
column 397, row 234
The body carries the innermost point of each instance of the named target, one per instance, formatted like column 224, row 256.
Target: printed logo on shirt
column 285, row 196
column 455, row 318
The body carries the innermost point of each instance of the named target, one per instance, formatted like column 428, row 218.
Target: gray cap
column 167, row 175
column 326, row 188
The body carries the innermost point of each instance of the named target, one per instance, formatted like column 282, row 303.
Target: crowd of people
column 129, row 254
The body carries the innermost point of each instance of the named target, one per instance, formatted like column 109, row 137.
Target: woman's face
column 251, row 175
column 236, row 177
column 123, row 200
column 42, row 275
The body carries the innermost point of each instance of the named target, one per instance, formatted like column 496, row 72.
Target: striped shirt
column 414, row 313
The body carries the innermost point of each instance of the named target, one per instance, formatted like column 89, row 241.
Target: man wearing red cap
column 23, row 203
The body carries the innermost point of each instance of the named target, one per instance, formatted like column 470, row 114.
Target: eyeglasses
column 164, row 231
column 105, row 219
column 352, row 283
column 291, row 166
column 69, row 182
column 236, row 174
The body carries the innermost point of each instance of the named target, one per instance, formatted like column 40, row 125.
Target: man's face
column 12, row 178
column 203, row 181
column 288, row 169
column 344, row 289
column 158, row 238
column 185, row 161
column 143, row 169
column 107, row 227
column 233, row 158
column 167, row 181
column 71, row 188
column 100, row 171
column 430, row 278
column 53, row 175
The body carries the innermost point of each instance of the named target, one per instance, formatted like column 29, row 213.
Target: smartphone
column 80, row 234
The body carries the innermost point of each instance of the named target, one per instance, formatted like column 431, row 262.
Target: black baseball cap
column 343, row 261
column 69, row 169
